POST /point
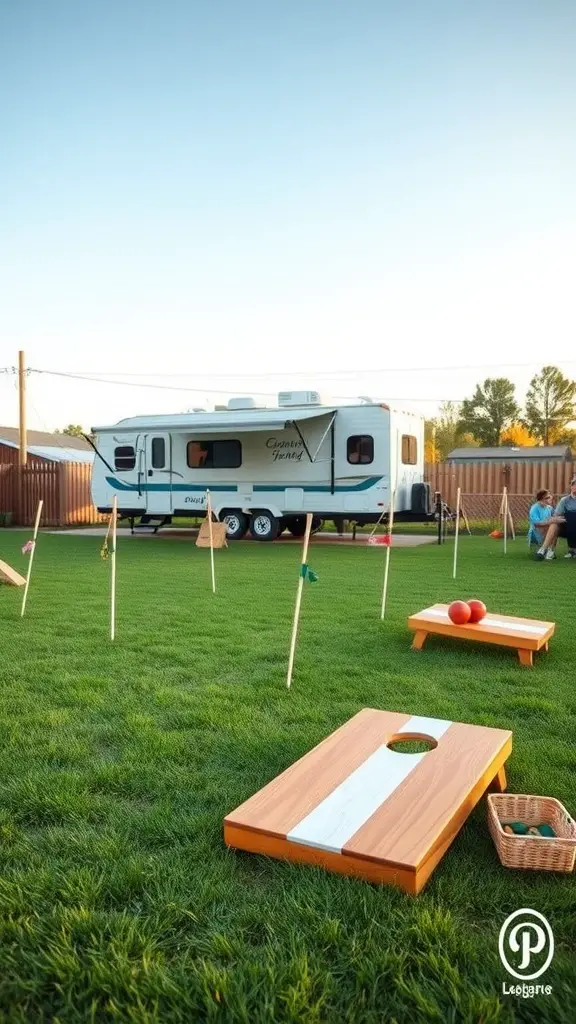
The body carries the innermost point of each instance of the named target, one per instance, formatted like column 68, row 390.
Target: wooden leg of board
column 419, row 639
column 525, row 657
column 499, row 781
column 9, row 575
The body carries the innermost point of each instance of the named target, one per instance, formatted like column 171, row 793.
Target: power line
column 89, row 374
column 216, row 389
column 209, row 391
column 132, row 384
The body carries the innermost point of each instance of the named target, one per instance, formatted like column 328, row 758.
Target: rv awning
column 235, row 421
column 275, row 420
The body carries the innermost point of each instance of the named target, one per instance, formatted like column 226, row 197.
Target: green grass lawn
column 118, row 899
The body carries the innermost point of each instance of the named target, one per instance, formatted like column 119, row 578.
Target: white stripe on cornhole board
column 339, row 816
column 516, row 627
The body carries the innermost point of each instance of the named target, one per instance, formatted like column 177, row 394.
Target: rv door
column 158, row 479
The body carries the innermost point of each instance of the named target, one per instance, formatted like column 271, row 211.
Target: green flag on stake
column 308, row 573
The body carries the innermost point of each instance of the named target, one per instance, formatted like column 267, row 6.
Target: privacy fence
column 65, row 488
column 479, row 481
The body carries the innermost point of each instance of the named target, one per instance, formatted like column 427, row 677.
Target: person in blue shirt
column 539, row 518
column 562, row 524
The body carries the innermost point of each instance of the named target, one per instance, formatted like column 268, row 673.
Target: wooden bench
column 526, row 635
column 355, row 806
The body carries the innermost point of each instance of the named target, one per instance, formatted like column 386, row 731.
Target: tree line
column 493, row 418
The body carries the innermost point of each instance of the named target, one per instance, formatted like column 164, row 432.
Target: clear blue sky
column 245, row 187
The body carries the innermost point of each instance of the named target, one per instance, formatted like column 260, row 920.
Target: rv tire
column 264, row 526
column 237, row 524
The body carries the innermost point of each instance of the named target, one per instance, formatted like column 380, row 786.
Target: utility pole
column 23, row 454
column 22, row 438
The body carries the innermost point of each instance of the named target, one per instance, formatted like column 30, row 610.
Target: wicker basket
column 540, row 854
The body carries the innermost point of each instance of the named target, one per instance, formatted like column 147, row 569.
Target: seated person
column 562, row 524
column 539, row 518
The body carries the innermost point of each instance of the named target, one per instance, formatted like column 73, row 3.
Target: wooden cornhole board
column 526, row 635
column 218, row 535
column 9, row 575
column 354, row 806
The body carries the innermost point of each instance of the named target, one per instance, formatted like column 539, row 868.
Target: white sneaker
column 549, row 556
column 540, row 553
column 571, row 553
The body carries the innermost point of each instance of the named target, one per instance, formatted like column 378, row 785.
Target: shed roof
column 54, row 453
column 43, row 437
column 509, row 454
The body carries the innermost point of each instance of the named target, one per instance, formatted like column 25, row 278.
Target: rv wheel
column 236, row 524
column 264, row 526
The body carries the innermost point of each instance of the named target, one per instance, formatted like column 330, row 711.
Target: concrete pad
column 399, row 540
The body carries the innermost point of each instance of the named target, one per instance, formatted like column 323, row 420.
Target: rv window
column 360, row 449
column 158, row 453
column 214, row 454
column 124, row 457
column 409, row 450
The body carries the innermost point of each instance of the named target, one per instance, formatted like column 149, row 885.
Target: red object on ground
column 459, row 613
column 477, row 610
column 497, row 534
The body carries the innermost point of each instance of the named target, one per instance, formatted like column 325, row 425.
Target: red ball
column 459, row 613
column 477, row 610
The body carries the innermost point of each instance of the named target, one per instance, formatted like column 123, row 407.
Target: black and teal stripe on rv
column 364, row 485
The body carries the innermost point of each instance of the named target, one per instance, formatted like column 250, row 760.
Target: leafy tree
column 431, row 453
column 563, row 435
column 491, row 409
column 550, row 404
column 443, row 434
column 431, row 450
column 73, row 430
column 447, row 430
column 518, row 436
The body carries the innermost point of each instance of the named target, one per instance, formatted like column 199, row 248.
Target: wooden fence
column 523, row 478
column 64, row 486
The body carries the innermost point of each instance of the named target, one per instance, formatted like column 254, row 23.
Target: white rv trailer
column 265, row 468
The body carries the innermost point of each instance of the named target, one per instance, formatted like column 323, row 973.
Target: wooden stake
column 465, row 518
column 113, row 570
column 299, row 599
column 505, row 513
column 512, row 531
column 209, row 514
column 387, row 563
column 456, row 534
column 29, row 573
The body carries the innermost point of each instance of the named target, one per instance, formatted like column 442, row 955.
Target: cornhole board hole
column 9, row 575
column 526, row 635
column 218, row 535
column 355, row 806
